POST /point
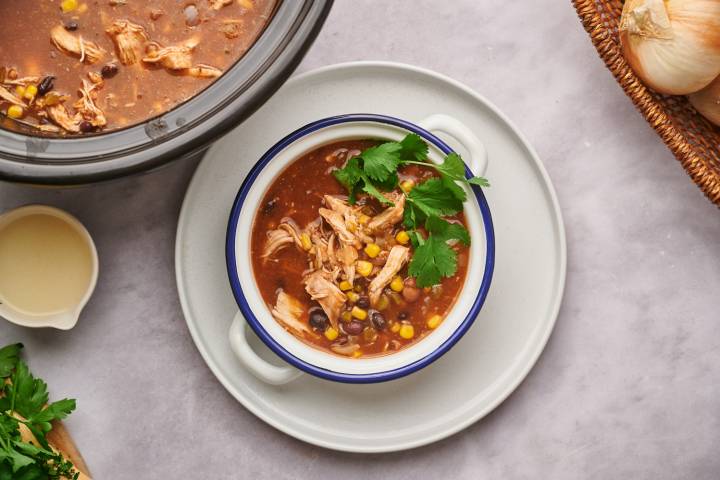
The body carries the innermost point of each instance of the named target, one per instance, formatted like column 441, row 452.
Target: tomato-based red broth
column 292, row 225
column 79, row 66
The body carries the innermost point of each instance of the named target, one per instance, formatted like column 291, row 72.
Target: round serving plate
column 483, row 368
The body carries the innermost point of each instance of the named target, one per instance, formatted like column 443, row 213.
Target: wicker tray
column 693, row 140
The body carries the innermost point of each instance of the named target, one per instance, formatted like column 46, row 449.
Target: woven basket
column 693, row 140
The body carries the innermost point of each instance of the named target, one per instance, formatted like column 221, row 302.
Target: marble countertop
column 629, row 384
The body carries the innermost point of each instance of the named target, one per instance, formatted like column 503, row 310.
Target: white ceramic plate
column 492, row 358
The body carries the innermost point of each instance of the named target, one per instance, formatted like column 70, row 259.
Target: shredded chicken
column 327, row 294
column 231, row 28
column 347, row 255
column 175, row 57
column 8, row 96
column 337, row 223
column 86, row 106
column 129, row 39
column 391, row 215
column 24, row 81
column 66, row 42
column 336, row 204
column 59, row 114
column 218, row 4
column 398, row 256
column 203, row 71
column 287, row 311
column 345, row 349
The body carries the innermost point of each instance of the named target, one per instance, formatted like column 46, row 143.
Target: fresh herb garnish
column 375, row 170
column 23, row 404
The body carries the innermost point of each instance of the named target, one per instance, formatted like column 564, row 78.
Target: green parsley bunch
column 375, row 170
column 24, row 402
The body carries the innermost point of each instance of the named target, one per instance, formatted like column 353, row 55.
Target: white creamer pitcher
column 48, row 267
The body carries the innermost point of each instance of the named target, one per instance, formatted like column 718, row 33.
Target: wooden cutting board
column 60, row 438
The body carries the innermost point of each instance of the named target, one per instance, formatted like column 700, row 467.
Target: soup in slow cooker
column 71, row 67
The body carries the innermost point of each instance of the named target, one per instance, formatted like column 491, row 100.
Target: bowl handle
column 478, row 161
column 263, row 370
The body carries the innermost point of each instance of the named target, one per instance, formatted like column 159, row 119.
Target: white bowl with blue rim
column 255, row 313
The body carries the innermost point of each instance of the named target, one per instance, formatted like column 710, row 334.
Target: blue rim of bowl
column 255, row 323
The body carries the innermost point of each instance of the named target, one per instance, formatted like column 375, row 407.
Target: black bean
column 318, row 319
column 353, row 328
column 402, row 315
column 86, row 127
column 268, row 208
column 363, row 302
column 378, row 320
column 109, row 70
column 71, row 26
column 45, row 85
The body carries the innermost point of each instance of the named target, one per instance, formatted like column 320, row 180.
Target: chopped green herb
column 23, row 401
column 375, row 170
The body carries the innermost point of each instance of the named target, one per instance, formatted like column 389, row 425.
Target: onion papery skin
column 676, row 59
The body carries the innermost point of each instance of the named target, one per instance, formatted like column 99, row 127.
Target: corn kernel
column 352, row 296
column 407, row 185
column 402, row 237
column 82, row 8
column 407, row 331
column 346, row 316
column 357, row 354
column 395, row 327
column 383, row 302
column 305, row 241
column 351, row 227
column 15, row 111
column 434, row 321
column 364, row 219
column 30, row 92
column 359, row 313
column 364, row 268
column 372, row 250
column 20, row 91
column 68, row 5
column 397, row 284
column 331, row 334
column 248, row 4
column 358, row 288
column 345, row 286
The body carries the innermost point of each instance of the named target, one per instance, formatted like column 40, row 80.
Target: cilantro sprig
column 24, row 402
column 375, row 170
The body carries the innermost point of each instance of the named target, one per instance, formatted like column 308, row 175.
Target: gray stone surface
column 629, row 385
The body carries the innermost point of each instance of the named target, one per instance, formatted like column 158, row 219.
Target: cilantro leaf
column 452, row 167
column 479, row 181
column 453, row 187
column 370, row 189
column 350, row 174
column 432, row 260
column 28, row 393
column 414, row 147
column 412, row 216
column 8, row 358
column 443, row 230
column 381, row 161
column 434, row 198
column 55, row 411
column 16, row 459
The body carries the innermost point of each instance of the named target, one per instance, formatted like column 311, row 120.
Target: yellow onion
column 707, row 101
column 672, row 45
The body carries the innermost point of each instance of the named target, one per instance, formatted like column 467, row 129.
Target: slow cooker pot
column 30, row 158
